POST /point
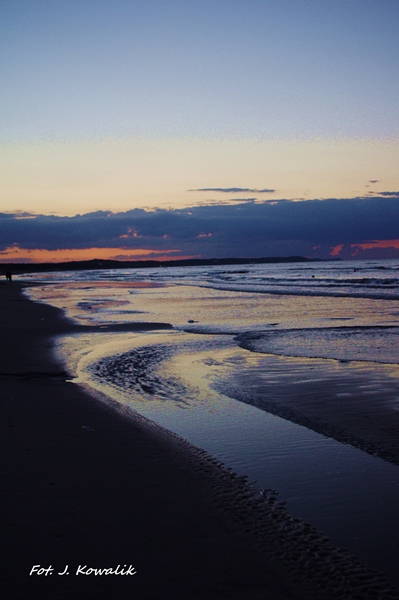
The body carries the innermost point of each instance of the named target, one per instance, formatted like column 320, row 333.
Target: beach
column 88, row 485
column 85, row 486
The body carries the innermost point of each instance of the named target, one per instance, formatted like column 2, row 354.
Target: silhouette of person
column 8, row 275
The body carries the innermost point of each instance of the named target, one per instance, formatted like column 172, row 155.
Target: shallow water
column 198, row 382
column 345, row 493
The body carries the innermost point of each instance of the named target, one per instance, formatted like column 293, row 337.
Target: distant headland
column 97, row 264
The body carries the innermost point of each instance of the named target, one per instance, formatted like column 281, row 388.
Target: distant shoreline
column 97, row 264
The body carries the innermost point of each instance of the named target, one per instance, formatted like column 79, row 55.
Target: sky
column 198, row 128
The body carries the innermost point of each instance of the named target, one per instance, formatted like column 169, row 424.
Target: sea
column 279, row 370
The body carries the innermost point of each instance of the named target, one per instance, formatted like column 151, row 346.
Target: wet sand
column 353, row 402
column 86, row 485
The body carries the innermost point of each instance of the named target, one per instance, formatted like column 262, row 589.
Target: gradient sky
column 166, row 105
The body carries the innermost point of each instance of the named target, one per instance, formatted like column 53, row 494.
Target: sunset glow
column 17, row 255
column 379, row 244
column 374, row 249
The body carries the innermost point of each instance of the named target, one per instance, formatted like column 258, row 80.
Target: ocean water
column 260, row 366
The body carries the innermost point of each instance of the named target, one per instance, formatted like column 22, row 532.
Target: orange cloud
column 378, row 244
column 38, row 255
column 336, row 250
column 364, row 249
column 131, row 233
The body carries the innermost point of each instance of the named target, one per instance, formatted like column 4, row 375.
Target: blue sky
column 120, row 105
column 223, row 68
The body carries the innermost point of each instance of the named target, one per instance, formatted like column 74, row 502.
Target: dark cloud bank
column 309, row 228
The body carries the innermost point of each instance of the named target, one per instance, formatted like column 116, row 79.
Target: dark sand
column 84, row 484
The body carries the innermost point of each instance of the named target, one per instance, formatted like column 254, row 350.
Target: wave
column 339, row 343
column 353, row 279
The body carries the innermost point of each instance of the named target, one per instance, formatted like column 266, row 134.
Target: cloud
column 385, row 194
column 314, row 228
column 371, row 250
column 389, row 194
column 235, row 190
column 228, row 202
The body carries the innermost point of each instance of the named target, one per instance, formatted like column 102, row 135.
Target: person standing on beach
column 9, row 275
